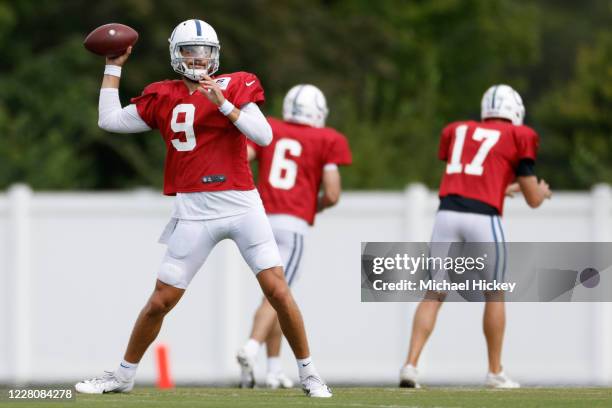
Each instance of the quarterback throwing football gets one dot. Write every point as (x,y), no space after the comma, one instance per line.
(302,158)
(482,161)
(203,121)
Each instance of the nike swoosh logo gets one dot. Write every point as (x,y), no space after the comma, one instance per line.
(249,83)
(304,365)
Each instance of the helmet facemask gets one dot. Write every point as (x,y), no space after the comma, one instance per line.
(194,60)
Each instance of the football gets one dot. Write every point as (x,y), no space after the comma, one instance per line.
(110,40)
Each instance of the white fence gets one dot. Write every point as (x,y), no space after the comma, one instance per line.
(75,269)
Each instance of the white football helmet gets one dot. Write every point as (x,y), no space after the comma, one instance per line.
(305,104)
(194,49)
(501,101)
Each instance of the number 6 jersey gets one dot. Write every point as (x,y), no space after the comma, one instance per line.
(205,151)
(291,167)
(482,158)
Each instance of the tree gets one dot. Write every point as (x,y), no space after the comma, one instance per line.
(578,119)
(394,72)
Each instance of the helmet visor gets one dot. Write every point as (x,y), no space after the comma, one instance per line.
(197,56)
(196,51)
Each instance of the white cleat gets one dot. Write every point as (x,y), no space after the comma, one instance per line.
(278,380)
(500,380)
(105,384)
(408,377)
(314,386)
(247,365)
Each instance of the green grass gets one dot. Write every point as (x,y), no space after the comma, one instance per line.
(343,397)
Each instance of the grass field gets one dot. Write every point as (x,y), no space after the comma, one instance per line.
(343,397)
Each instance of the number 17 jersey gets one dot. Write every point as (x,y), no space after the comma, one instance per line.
(482,158)
(291,167)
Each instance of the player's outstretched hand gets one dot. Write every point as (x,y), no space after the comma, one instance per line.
(512,189)
(545,189)
(209,88)
(120,60)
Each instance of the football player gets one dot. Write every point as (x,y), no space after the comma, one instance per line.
(482,160)
(203,121)
(302,159)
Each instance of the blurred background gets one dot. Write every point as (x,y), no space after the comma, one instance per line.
(78,251)
(394,73)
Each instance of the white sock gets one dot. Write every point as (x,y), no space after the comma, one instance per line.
(274,365)
(252,347)
(126,371)
(306,368)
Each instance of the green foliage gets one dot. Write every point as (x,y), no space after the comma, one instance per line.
(394,73)
(578,116)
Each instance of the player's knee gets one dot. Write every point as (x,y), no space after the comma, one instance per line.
(494,296)
(158,306)
(436,298)
(279,295)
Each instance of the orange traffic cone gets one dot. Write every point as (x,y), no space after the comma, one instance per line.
(164,380)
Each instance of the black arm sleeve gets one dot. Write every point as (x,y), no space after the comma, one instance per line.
(526,167)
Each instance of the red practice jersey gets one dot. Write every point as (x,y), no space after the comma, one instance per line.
(482,157)
(205,151)
(291,167)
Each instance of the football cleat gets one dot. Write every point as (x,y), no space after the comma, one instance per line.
(106,384)
(314,387)
(247,365)
(408,377)
(278,380)
(500,380)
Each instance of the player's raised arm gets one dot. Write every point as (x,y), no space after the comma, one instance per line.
(111,116)
(112,70)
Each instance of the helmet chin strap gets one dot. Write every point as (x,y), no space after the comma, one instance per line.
(197,77)
(185,77)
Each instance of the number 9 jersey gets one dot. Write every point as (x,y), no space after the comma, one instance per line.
(291,167)
(482,158)
(205,151)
